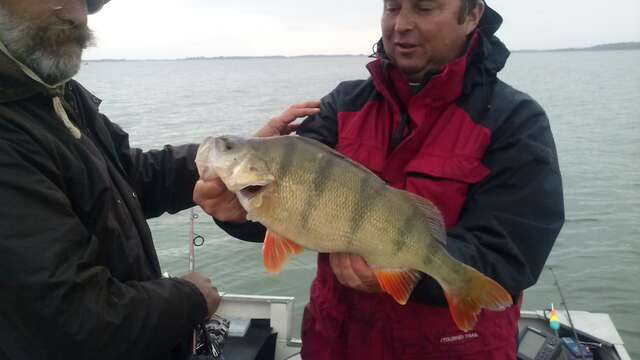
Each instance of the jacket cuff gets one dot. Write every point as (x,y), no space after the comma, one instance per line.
(197,304)
(248,231)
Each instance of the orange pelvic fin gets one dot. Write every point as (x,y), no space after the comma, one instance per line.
(480,293)
(398,283)
(277,250)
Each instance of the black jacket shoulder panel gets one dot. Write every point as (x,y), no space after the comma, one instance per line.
(353,95)
(490,103)
(348,96)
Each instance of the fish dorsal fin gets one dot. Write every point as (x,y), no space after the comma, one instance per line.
(277,250)
(432,214)
(398,283)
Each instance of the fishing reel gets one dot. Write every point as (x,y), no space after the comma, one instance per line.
(210,337)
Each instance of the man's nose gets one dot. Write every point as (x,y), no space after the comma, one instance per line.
(405,20)
(74,11)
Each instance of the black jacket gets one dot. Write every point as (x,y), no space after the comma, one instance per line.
(79,275)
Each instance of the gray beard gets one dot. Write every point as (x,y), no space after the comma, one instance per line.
(50,48)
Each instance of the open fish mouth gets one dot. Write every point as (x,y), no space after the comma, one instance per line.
(251,191)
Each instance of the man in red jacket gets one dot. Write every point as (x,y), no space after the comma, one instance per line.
(435,120)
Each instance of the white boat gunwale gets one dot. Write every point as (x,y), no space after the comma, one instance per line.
(280,311)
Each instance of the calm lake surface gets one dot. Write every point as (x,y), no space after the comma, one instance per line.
(593,101)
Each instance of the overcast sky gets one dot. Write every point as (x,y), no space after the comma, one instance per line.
(156,29)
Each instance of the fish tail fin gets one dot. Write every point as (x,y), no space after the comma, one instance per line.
(480,292)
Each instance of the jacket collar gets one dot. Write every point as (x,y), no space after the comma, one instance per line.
(442,88)
(32,84)
(17,81)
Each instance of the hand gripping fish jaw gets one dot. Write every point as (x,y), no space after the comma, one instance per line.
(242,170)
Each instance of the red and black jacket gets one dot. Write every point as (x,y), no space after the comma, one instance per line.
(485,156)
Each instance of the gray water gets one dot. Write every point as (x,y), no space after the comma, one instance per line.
(593,101)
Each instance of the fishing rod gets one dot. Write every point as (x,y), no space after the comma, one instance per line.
(195,240)
(566,308)
(192,264)
(215,326)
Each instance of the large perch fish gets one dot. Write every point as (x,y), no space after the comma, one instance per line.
(309,196)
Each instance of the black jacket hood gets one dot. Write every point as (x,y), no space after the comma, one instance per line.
(93,6)
(490,22)
(492,52)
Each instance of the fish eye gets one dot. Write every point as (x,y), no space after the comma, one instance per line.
(228,144)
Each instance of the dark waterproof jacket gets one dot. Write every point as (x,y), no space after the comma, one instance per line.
(483,153)
(79,275)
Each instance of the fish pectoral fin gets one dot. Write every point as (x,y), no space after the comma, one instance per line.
(277,250)
(398,283)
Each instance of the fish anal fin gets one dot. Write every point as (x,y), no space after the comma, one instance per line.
(398,283)
(277,250)
(480,292)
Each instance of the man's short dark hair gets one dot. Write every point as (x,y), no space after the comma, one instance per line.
(465,9)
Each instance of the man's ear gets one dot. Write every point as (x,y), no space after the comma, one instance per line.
(473,18)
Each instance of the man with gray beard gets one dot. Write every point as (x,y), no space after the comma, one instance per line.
(79,275)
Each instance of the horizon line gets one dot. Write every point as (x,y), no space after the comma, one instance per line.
(629,45)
